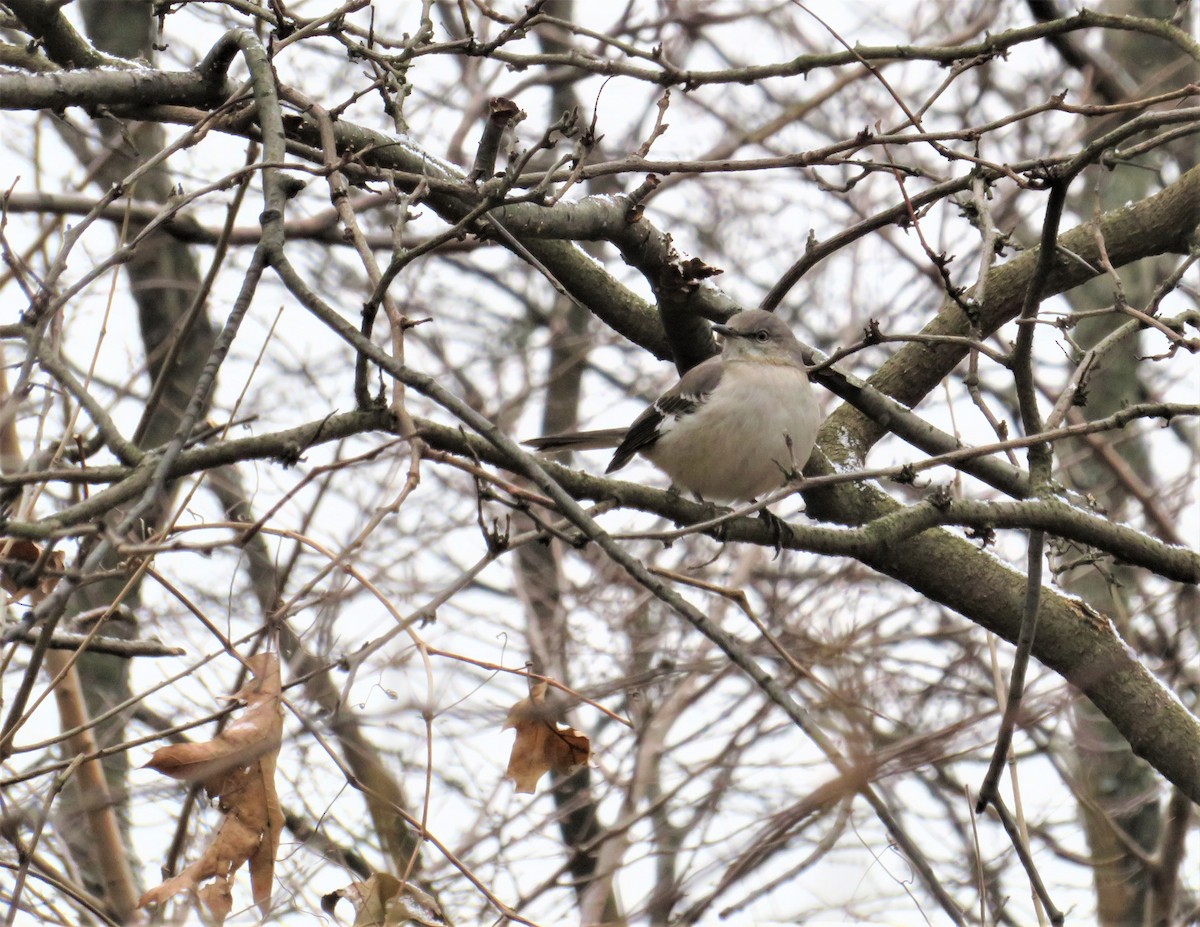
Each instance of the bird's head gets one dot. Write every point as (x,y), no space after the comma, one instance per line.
(760,336)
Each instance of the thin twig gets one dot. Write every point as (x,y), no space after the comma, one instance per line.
(1035,879)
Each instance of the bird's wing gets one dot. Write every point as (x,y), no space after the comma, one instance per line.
(684,398)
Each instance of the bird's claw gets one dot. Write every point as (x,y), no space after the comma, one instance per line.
(721,529)
(778,527)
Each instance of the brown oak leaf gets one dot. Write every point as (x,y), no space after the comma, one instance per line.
(385,901)
(17,552)
(255,733)
(238,769)
(541,745)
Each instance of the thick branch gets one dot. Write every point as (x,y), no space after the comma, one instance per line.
(141,86)
(1156,225)
(1075,642)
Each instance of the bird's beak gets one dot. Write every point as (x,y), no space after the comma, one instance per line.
(725,330)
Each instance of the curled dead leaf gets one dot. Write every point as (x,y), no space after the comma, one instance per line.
(255,733)
(17,553)
(238,769)
(541,745)
(385,901)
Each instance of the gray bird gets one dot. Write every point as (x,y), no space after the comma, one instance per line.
(733,428)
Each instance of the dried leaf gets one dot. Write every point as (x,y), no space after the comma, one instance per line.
(238,768)
(541,745)
(694,269)
(28,552)
(254,734)
(369,898)
(218,898)
(262,862)
(385,901)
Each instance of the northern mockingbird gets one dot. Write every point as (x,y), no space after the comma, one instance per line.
(734,427)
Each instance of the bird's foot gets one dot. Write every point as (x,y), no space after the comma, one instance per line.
(778,527)
(721,529)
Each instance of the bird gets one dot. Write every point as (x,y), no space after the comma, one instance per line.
(735,426)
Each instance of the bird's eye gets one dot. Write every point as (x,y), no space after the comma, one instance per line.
(762,336)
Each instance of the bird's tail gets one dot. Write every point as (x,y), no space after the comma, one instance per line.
(578,440)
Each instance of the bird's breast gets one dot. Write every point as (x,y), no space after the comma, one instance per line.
(735,447)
